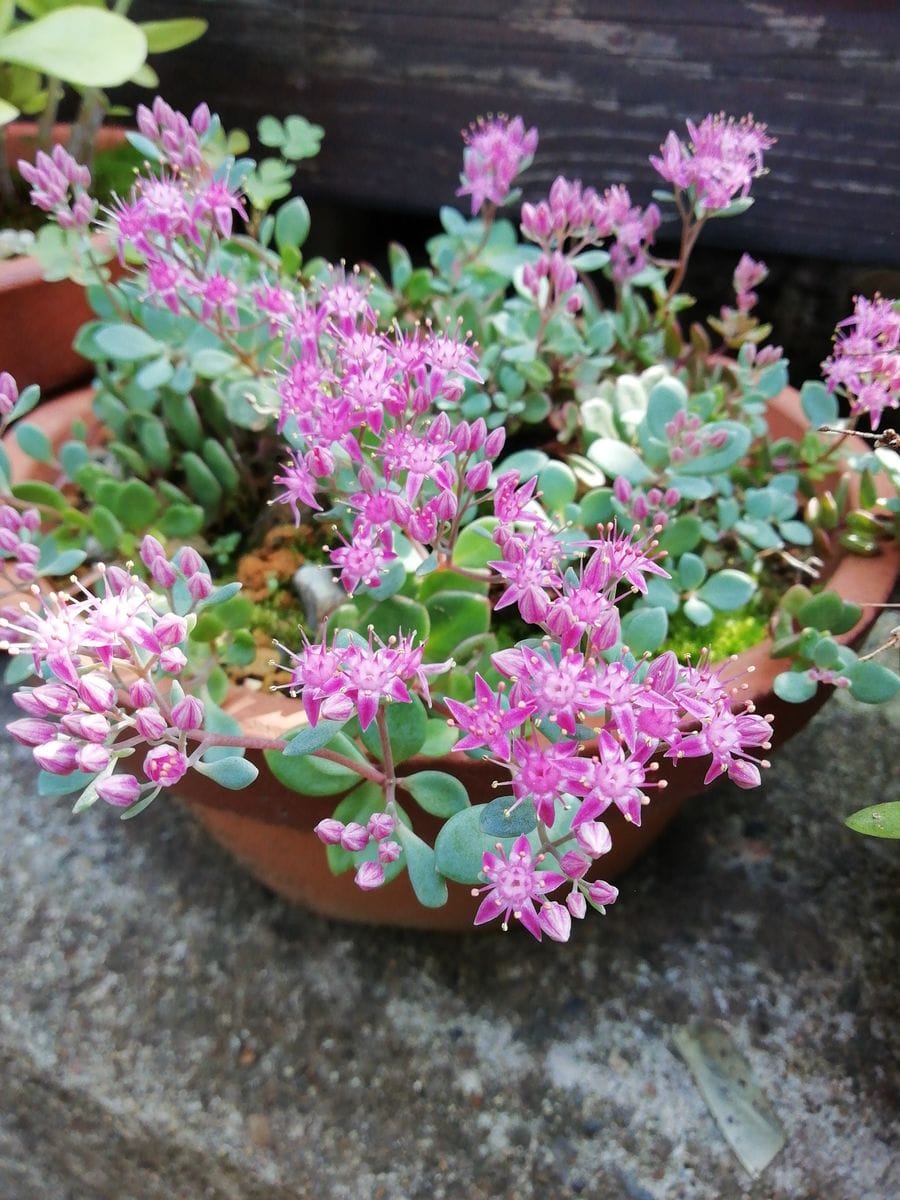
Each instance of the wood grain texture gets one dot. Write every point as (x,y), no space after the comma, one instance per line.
(394,82)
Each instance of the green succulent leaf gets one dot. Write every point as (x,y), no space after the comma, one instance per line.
(644,630)
(34,442)
(437,792)
(504,819)
(87,47)
(407,724)
(233,772)
(879,820)
(460,845)
(727,590)
(316,776)
(795,687)
(819,405)
(127,343)
(453,618)
(429,886)
(163,36)
(872,682)
(312,737)
(618,460)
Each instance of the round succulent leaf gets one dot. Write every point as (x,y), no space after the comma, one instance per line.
(691,571)
(796,532)
(232,772)
(727,590)
(392,580)
(453,618)
(407,724)
(399,614)
(879,820)
(697,611)
(312,776)
(127,343)
(794,687)
(461,844)
(106,527)
(681,535)
(429,886)
(137,506)
(661,594)
(312,737)
(557,485)
(37,492)
(34,442)
(644,630)
(596,507)
(505,819)
(440,738)
(527,462)
(823,612)
(872,682)
(618,459)
(451,581)
(474,547)
(820,406)
(437,793)
(722,459)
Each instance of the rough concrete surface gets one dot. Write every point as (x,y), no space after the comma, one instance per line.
(171,1031)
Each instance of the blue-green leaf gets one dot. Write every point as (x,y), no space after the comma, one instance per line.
(438,793)
(429,886)
(460,845)
(505,819)
(795,687)
(727,590)
(644,630)
(312,737)
(233,772)
(819,405)
(872,682)
(127,343)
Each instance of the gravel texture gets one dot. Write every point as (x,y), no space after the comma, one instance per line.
(171,1031)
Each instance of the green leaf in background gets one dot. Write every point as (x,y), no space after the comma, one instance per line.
(501,819)
(396,613)
(819,405)
(163,36)
(454,617)
(727,590)
(127,343)
(795,687)
(407,725)
(460,845)
(617,459)
(292,223)
(872,682)
(557,485)
(644,630)
(429,886)
(316,776)
(34,442)
(879,820)
(681,535)
(232,772)
(137,506)
(312,737)
(437,792)
(87,47)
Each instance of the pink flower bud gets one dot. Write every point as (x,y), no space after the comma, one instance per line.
(200,119)
(555,920)
(58,757)
(369,876)
(97,692)
(574,864)
(91,727)
(25,572)
(338,707)
(141,693)
(150,723)
(478,477)
(189,561)
(745,774)
(576,904)
(188,713)
(172,660)
(9,541)
(354,837)
(92,758)
(165,765)
(602,893)
(380,825)
(54,698)
(9,393)
(199,586)
(622,489)
(151,550)
(329,831)
(170,630)
(31,519)
(120,790)
(494,443)
(388,852)
(163,572)
(10,519)
(31,731)
(594,839)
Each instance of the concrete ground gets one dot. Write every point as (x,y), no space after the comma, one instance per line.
(171,1031)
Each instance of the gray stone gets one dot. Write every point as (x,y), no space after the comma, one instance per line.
(171,1031)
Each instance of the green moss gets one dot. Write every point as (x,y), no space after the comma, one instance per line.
(726,634)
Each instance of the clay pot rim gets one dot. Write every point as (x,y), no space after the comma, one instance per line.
(865,581)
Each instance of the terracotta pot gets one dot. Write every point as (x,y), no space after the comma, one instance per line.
(269,828)
(39,320)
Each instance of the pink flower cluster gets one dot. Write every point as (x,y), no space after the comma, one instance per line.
(354,837)
(113,660)
(650,509)
(176,138)
(720,161)
(687,439)
(18,551)
(865,362)
(574,217)
(748,274)
(497,150)
(340,680)
(59,185)
(371,398)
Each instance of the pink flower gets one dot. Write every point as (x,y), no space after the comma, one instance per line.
(9,393)
(720,162)
(370,875)
(119,790)
(496,152)
(485,721)
(555,920)
(544,774)
(165,765)
(514,884)
(602,893)
(865,363)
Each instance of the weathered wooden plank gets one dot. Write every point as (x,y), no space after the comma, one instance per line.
(393,82)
